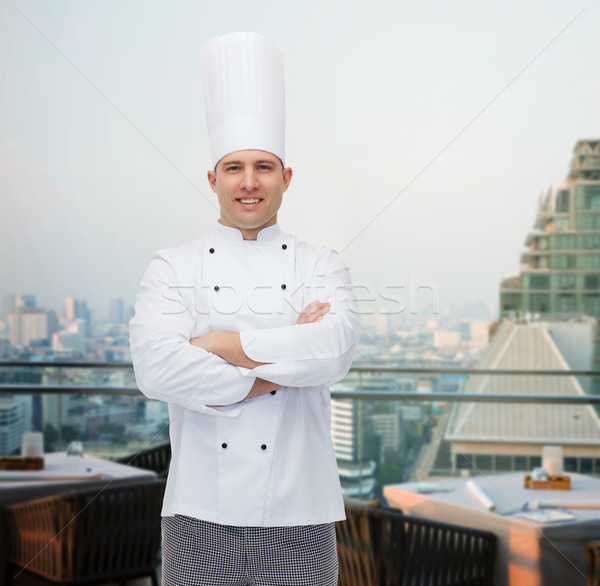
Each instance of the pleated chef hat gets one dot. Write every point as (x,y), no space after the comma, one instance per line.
(244,95)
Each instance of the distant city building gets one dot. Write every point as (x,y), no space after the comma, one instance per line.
(103,413)
(464,328)
(480,331)
(443,339)
(9,302)
(68,409)
(560,271)
(26,301)
(424,386)
(15,420)
(116,312)
(357,472)
(72,308)
(77,309)
(72,339)
(384,326)
(387,425)
(29,326)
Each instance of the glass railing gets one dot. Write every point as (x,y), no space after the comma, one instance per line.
(389,425)
(97,404)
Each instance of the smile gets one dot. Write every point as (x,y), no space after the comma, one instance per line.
(249,200)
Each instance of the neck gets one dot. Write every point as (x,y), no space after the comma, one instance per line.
(248,233)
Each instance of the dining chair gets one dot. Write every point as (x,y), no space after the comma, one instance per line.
(357,543)
(592,562)
(156,458)
(380,546)
(87,536)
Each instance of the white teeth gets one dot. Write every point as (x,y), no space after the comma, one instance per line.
(250,200)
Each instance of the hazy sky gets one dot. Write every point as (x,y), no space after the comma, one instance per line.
(454,115)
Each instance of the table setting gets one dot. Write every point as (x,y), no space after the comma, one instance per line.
(542,531)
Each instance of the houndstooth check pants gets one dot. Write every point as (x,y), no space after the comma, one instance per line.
(200,553)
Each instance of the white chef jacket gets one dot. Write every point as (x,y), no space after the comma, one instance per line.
(269,460)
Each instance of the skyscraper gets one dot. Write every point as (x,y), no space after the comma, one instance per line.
(15,420)
(72,308)
(77,309)
(31,325)
(560,270)
(356,469)
(116,312)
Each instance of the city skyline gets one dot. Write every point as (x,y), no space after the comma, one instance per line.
(420,138)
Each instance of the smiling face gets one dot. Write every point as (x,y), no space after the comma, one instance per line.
(250,186)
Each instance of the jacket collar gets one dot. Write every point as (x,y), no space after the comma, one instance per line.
(234,235)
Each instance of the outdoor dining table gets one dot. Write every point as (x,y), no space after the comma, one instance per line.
(541,533)
(60,474)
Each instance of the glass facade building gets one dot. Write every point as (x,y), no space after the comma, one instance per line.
(560,270)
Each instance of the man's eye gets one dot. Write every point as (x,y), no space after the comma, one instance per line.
(264,167)
(232,168)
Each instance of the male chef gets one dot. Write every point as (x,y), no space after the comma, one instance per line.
(241,332)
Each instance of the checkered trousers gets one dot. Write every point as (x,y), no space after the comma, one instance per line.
(200,553)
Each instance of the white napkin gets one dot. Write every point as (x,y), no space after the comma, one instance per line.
(480,495)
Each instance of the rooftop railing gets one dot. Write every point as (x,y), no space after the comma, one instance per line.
(389,424)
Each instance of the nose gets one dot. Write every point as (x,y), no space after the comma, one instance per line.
(249,180)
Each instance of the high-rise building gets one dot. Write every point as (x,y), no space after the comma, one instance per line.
(560,270)
(15,420)
(77,309)
(72,308)
(71,339)
(356,469)
(31,325)
(388,426)
(116,312)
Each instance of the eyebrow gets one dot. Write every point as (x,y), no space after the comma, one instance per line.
(259,162)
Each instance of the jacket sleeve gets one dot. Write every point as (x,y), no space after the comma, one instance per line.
(167,367)
(317,353)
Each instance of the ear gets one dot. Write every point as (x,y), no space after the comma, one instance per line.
(287,177)
(212,180)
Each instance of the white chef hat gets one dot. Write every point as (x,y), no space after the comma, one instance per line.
(244,95)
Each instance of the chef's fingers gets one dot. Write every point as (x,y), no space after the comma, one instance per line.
(317,316)
(315,307)
(313,312)
(322,310)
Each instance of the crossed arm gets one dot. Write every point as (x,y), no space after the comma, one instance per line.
(227,345)
(213,373)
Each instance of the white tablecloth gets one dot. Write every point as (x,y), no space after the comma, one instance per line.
(531,551)
(62,471)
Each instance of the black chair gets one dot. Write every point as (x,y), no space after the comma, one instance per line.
(383,547)
(87,536)
(156,458)
(592,561)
